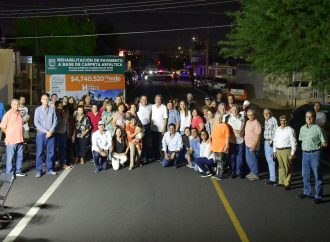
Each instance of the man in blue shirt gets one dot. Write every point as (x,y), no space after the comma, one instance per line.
(194,150)
(45,120)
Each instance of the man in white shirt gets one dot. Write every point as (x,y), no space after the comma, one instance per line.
(284,148)
(321,118)
(236,142)
(101,143)
(158,126)
(144,114)
(172,144)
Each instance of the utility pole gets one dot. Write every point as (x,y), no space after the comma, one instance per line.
(35,22)
(207,51)
(207,58)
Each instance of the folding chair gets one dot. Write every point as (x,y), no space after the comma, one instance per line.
(6,183)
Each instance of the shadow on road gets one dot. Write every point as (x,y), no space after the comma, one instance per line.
(22,239)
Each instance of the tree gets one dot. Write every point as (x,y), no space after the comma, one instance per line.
(56,26)
(283,37)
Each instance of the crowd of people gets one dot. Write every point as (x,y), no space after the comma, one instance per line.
(216,140)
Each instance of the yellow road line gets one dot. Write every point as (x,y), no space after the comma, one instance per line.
(239,229)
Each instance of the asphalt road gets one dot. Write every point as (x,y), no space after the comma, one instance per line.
(152,203)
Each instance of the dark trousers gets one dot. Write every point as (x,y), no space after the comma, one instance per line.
(157,145)
(81,147)
(100,161)
(69,151)
(60,147)
(145,148)
(205,164)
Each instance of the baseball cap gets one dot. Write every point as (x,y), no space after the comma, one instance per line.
(207,98)
(246,103)
(100,123)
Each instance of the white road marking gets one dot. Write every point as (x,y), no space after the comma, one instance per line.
(36,207)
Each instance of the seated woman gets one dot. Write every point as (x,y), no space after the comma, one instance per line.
(185,146)
(119,149)
(134,136)
(205,161)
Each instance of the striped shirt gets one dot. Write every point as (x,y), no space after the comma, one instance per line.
(270,127)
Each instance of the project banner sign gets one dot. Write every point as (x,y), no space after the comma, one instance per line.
(98,76)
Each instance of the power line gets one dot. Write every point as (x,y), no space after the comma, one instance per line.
(85,6)
(119,33)
(191,12)
(116,12)
(150,4)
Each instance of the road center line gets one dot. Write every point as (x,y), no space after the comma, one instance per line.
(36,207)
(239,229)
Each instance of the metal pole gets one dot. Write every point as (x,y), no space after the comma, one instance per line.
(30,77)
(206,58)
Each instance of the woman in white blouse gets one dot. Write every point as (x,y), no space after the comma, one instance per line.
(205,162)
(185,116)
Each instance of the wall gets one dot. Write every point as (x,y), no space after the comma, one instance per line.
(7,67)
(253,81)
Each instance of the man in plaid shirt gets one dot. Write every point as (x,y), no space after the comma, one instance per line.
(270,127)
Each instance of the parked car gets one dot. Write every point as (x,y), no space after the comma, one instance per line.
(216,84)
(201,82)
(298,116)
(131,78)
(182,74)
(160,75)
(239,91)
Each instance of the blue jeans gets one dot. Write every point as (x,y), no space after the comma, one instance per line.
(49,144)
(270,161)
(252,160)
(100,161)
(236,158)
(14,165)
(205,164)
(60,144)
(312,160)
(166,163)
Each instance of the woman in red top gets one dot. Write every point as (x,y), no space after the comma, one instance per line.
(134,140)
(197,121)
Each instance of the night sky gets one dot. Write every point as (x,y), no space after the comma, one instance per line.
(187,16)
